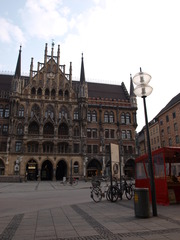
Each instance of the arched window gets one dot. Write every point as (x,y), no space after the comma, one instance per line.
(76,131)
(63,130)
(35,110)
(49,111)
(128,118)
(33,91)
(33,128)
(21,111)
(123,118)
(6,113)
(66,94)
(76,114)
(47,92)
(48,129)
(53,93)
(76,167)
(89,116)
(60,93)
(1,111)
(111,117)
(106,117)
(39,92)
(94,116)
(20,129)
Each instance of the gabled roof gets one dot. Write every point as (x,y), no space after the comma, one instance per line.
(173,101)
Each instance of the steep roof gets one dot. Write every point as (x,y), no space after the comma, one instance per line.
(99,90)
(18,66)
(82,76)
(132,94)
(5,82)
(173,101)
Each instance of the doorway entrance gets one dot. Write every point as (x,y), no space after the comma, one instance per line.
(61,170)
(31,170)
(94,168)
(47,171)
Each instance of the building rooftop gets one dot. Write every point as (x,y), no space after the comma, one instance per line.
(95,90)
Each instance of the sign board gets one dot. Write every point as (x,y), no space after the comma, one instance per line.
(115,164)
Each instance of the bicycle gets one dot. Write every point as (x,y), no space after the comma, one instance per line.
(71,181)
(127,189)
(98,192)
(123,188)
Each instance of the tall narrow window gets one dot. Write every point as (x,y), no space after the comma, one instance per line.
(128,118)
(76,167)
(76,114)
(123,134)
(94,116)
(89,116)
(94,133)
(21,111)
(6,114)
(88,132)
(123,118)
(106,133)
(1,111)
(106,117)
(18,146)
(111,117)
(128,134)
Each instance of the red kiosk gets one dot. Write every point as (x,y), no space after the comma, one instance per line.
(166,165)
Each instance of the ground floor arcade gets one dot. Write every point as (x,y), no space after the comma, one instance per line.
(49,169)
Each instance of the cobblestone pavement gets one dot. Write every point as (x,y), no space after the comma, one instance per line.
(91,221)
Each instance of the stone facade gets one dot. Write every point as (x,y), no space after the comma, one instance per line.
(53,127)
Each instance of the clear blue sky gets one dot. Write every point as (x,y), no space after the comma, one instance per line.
(117,37)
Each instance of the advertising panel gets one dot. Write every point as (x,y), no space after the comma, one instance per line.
(115,165)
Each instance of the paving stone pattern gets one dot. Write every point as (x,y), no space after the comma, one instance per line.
(88,221)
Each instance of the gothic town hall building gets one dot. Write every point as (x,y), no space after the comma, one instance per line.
(53,127)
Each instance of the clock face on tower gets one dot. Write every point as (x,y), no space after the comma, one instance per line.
(50,75)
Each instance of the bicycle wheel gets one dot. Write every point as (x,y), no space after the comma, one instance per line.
(129,192)
(96,194)
(112,194)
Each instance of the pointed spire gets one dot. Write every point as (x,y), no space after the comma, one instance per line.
(131,87)
(82,77)
(18,66)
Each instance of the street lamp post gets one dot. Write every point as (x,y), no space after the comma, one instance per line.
(143,90)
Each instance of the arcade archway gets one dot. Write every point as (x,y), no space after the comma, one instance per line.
(94,168)
(129,168)
(2,167)
(61,170)
(31,170)
(47,171)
